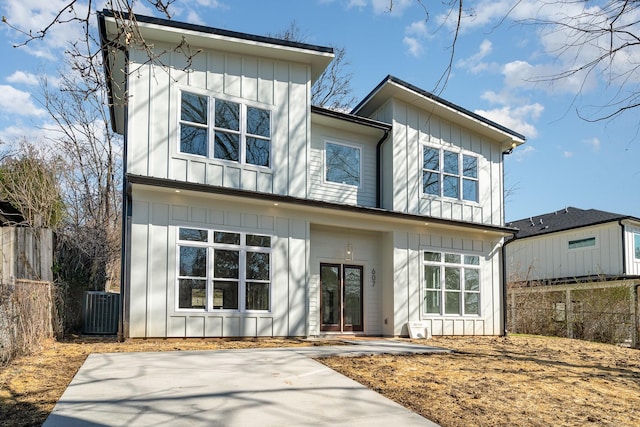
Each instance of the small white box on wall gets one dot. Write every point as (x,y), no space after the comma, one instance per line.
(419,329)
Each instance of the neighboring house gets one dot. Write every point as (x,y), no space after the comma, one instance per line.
(575,264)
(250,212)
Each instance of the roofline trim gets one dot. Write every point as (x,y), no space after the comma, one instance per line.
(350,118)
(437,99)
(218,31)
(212,189)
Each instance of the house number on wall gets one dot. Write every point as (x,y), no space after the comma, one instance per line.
(373,277)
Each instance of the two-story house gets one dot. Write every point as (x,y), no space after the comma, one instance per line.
(575,272)
(249,212)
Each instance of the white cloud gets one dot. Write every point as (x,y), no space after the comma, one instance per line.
(356,3)
(567,154)
(417,28)
(21,77)
(413,45)
(474,63)
(520,118)
(522,153)
(594,143)
(15,101)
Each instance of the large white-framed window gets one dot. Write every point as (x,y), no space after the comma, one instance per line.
(447,173)
(343,163)
(223,270)
(224,129)
(451,283)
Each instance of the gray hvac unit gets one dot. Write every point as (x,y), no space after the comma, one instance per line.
(100,313)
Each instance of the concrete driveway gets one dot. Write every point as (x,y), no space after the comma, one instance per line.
(258,387)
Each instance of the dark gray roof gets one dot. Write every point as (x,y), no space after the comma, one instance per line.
(562,220)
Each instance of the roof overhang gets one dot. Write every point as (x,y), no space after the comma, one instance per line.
(116,42)
(350,122)
(394,88)
(359,213)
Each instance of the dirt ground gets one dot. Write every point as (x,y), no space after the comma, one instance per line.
(485,381)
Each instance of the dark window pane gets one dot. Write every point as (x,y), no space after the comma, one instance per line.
(470,190)
(431,277)
(472,259)
(193,261)
(228,238)
(226,264)
(471,279)
(342,164)
(432,256)
(452,303)
(258,122)
(257,296)
(471,305)
(450,186)
(227,115)
(226,146)
(193,140)
(193,235)
(257,266)
(258,240)
(452,278)
(431,183)
(258,151)
(636,243)
(194,108)
(432,302)
(469,166)
(451,163)
(431,159)
(225,295)
(453,258)
(192,293)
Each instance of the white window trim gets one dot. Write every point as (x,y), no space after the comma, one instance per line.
(324,163)
(636,235)
(442,291)
(441,173)
(242,282)
(211,98)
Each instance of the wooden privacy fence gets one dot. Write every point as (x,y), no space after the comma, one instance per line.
(26,317)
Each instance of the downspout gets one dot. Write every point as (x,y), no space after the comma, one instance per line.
(127,210)
(624,249)
(379,168)
(503,251)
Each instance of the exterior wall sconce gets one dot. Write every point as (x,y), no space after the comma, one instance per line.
(349,254)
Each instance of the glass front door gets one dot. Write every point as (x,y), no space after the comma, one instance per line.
(341,297)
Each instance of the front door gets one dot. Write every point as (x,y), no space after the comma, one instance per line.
(341,297)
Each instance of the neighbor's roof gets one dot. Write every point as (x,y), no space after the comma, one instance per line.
(392,86)
(565,219)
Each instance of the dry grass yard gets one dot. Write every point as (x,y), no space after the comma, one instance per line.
(486,381)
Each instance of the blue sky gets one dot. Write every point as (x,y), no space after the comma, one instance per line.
(565,162)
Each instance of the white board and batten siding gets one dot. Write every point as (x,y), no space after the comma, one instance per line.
(321,189)
(402,172)
(631,230)
(154,109)
(153,305)
(549,256)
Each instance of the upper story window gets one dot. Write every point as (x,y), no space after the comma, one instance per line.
(223,129)
(582,243)
(449,174)
(636,245)
(342,164)
(451,283)
(220,270)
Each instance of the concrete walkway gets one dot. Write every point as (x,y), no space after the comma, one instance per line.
(257,387)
